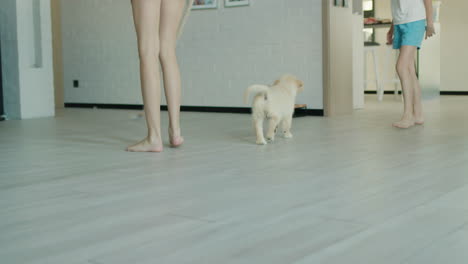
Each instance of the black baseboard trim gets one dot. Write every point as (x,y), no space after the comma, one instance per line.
(212,109)
(104,106)
(308,112)
(441,92)
(205,109)
(385,92)
(453,93)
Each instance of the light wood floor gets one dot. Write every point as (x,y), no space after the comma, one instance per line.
(348,190)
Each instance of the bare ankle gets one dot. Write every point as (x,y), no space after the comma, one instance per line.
(407,117)
(174,132)
(153,139)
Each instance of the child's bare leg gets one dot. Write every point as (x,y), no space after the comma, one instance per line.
(406,70)
(146,18)
(417,104)
(171,15)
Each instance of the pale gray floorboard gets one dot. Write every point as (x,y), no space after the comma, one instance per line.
(455,199)
(292,235)
(395,240)
(450,249)
(345,190)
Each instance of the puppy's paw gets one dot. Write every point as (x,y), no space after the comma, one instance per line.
(288,135)
(261,142)
(270,138)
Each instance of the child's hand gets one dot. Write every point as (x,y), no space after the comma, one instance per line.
(430,30)
(390,37)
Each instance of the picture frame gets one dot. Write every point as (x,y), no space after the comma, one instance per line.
(204,4)
(346,3)
(233,3)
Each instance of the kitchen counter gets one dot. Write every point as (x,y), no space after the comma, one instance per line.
(379,25)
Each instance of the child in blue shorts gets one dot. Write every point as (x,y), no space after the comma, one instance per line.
(411,19)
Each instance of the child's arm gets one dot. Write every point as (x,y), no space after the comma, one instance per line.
(390,35)
(430,31)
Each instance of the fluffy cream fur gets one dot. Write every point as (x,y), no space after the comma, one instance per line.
(275,103)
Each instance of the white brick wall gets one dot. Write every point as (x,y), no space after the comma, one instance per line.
(220,53)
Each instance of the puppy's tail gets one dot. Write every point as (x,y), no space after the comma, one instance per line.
(255,89)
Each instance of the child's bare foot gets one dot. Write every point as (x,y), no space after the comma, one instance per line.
(175,139)
(419,121)
(404,123)
(146,145)
(418,115)
(176,142)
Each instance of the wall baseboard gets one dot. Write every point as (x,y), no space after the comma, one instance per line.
(105,106)
(453,92)
(441,92)
(385,92)
(206,109)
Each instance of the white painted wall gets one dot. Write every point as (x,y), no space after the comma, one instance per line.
(10,70)
(358,59)
(36,82)
(57,52)
(221,51)
(454,57)
(339,61)
(28,87)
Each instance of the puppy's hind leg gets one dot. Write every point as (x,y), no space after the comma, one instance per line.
(274,120)
(286,126)
(258,125)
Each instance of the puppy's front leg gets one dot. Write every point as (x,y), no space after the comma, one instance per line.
(258,124)
(274,120)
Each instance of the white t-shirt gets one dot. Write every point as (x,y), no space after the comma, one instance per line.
(406,11)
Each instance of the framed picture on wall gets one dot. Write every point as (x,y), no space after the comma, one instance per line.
(205,4)
(345,3)
(230,3)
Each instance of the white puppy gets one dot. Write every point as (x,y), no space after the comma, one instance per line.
(275,103)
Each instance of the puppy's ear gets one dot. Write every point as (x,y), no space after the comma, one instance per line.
(276,82)
(300,86)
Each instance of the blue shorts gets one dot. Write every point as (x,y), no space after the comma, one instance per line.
(409,34)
